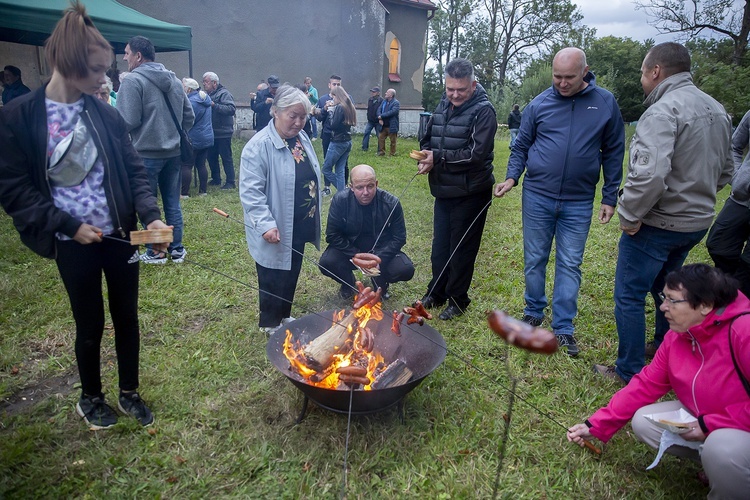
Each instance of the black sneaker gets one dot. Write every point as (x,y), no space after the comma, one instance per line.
(130,403)
(531,320)
(450,312)
(98,414)
(569,342)
(215,183)
(430,302)
(229,186)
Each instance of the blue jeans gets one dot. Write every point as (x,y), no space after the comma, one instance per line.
(513,135)
(568,222)
(314,124)
(164,174)
(368,129)
(337,155)
(643,262)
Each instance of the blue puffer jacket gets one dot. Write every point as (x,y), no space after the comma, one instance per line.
(563,143)
(202,133)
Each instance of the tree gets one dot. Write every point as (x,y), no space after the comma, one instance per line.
(432,90)
(727,18)
(446,29)
(507,32)
(728,85)
(616,62)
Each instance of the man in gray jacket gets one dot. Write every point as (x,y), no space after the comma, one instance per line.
(728,241)
(679,158)
(142,102)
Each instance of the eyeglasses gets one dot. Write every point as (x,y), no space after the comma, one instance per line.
(666,299)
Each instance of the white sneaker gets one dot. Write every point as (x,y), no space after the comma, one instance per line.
(269,330)
(288,320)
(178,257)
(154,258)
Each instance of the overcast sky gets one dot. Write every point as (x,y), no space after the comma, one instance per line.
(618,18)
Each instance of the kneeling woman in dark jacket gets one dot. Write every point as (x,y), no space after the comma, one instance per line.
(73,184)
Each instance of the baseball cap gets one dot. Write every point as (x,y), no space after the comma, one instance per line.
(273,81)
(375,89)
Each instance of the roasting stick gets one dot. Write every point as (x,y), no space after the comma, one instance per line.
(346,446)
(389,215)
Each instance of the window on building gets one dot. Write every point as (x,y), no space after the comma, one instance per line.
(394,61)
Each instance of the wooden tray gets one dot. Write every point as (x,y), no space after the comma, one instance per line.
(151,236)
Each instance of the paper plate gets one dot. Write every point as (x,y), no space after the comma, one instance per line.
(678,421)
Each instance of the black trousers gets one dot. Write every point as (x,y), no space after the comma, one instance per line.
(336,265)
(81,268)
(222,147)
(728,242)
(276,289)
(453,231)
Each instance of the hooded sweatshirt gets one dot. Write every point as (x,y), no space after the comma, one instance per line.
(141,102)
(697,366)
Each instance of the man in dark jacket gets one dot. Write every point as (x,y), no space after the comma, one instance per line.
(373,105)
(263,101)
(388,119)
(365,219)
(514,123)
(222,121)
(570,134)
(459,146)
(144,102)
(13,86)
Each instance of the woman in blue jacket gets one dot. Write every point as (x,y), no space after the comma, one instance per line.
(201,135)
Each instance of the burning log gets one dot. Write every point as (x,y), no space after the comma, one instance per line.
(397,373)
(319,352)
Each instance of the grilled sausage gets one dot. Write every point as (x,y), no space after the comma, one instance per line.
(354,370)
(366,260)
(375,297)
(415,319)
(522,334)
(353,379)
(396,324)
(363,298)
(421,311)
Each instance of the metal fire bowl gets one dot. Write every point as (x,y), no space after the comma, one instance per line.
(421,347)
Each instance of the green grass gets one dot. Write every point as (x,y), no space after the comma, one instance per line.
(225,417)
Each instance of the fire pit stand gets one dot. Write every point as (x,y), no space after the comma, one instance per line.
(306,400)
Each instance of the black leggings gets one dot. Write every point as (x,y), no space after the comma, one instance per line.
(81,269)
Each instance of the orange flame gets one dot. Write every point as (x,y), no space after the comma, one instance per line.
(294,352)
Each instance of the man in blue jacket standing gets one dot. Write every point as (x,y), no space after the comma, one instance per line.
(388,119)
(569,134)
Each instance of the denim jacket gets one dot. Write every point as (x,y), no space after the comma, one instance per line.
(267,195)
